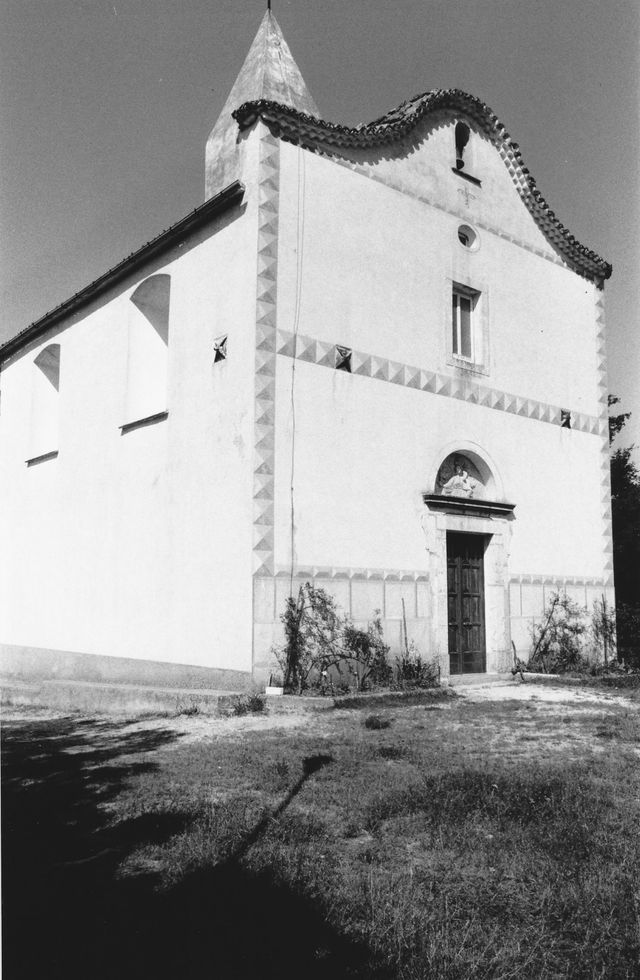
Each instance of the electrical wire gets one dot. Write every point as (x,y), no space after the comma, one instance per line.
(296,324)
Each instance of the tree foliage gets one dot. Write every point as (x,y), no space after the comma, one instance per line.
(616,422)
(625,506)
(625,517)
(625,513)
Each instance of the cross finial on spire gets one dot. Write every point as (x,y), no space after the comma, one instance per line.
(268,4)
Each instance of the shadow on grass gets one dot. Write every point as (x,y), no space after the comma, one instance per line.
(67,910)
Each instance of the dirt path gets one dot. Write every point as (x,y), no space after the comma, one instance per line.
(547,692)
(195,728)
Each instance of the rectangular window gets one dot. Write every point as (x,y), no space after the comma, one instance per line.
(465,319)
(461,325)
(462,317)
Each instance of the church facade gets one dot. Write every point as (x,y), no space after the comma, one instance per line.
(373,359)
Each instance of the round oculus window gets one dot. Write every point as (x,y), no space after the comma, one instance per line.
(468,238)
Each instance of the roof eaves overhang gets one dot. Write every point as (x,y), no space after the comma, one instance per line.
(227,198)
(328,138)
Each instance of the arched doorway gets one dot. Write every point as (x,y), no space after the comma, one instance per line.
(467,524)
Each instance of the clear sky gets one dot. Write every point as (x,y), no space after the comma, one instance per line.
(106,106)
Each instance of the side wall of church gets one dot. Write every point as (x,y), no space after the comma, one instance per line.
(135,542)
(371,267)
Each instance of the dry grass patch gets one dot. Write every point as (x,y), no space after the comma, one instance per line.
(491,839)
(487,839)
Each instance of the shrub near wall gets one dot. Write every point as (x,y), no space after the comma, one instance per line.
(325,651)
(569,640)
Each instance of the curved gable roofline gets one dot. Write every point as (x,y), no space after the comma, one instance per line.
(312,133)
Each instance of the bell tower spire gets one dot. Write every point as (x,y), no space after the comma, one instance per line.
(269,72)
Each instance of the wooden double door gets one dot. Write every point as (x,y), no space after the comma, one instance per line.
(465,595)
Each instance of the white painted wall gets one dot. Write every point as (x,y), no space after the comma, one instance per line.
(44,409)
(366,264)
(139,544)
(376,270)
(364,450)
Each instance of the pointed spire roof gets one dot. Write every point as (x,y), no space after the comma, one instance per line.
(269,72)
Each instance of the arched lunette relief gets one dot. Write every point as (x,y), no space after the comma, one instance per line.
(464,473)
(482,481)
(458,476)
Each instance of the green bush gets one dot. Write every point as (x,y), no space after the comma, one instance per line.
(557,642)
(628,625)
(412,671)
(603,630)
(249,704)
(324,650)
(367,654)
(313,642)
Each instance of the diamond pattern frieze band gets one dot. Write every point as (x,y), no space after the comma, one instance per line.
(265,357)
(368,365)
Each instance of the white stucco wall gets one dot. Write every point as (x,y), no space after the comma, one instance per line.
(139,544)
(363,453)
(377,264)
(144,544)
(367,258)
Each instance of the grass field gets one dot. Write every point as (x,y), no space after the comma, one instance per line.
(467,837)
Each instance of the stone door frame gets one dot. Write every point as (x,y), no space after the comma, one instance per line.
(497,529)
